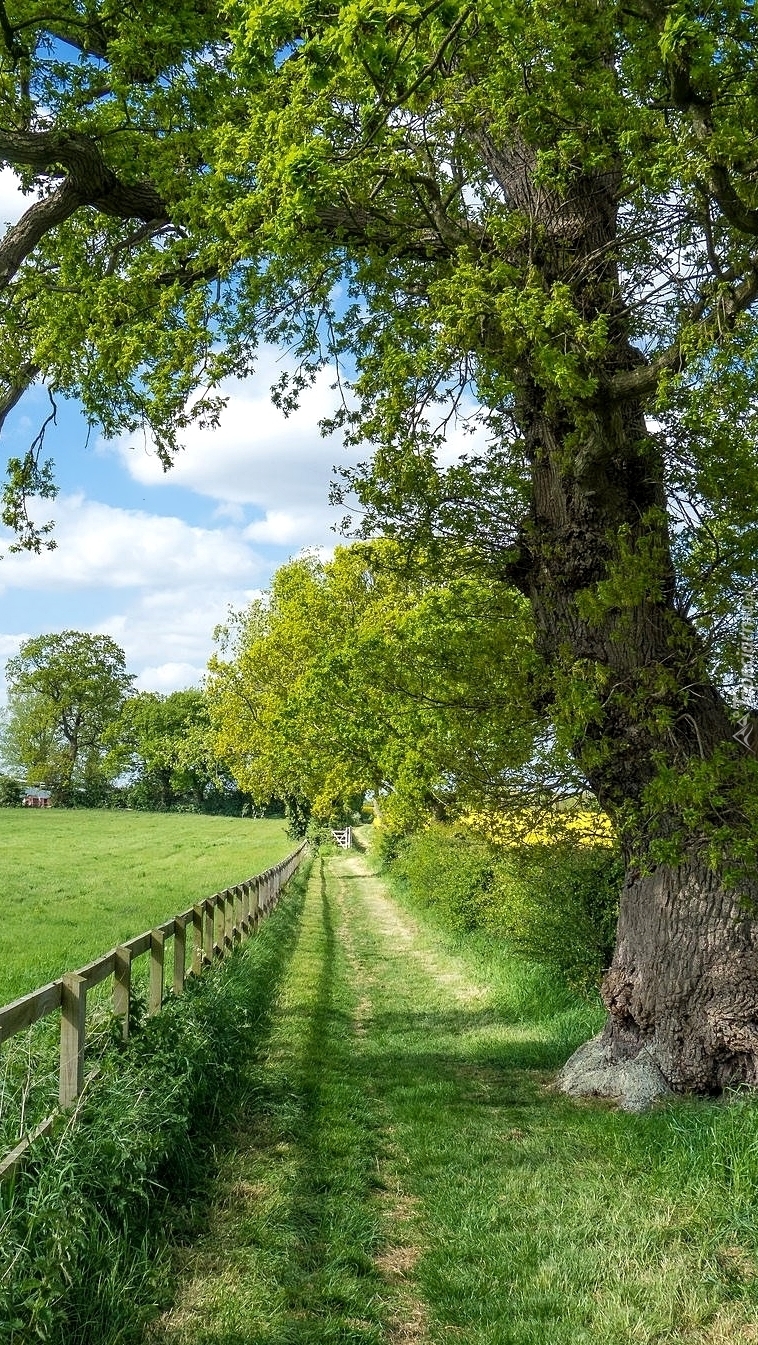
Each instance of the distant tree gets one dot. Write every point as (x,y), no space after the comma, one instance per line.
(161,742)
(11,792)
(356,676)
(63,692)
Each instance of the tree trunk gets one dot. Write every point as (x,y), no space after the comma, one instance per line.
(632,693)
(628,675)
(629,678)
(684,979)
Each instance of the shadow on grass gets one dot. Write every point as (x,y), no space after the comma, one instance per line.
(441,1073)
(324,1111)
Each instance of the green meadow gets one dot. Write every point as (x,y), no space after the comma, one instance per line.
(74,883)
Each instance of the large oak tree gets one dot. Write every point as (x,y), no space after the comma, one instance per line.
(549,211)
(64,691)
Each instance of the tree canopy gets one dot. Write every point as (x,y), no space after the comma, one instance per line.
(208,175)
(64,690)
(161,743)
(358,675)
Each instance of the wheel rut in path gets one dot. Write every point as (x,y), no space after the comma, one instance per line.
(319,1146)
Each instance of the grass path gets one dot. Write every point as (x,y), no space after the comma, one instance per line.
(402,1173)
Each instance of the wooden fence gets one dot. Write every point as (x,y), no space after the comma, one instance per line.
(216,925)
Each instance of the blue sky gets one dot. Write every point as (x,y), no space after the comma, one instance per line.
(154,559)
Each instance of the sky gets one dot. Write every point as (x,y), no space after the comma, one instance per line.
(156,559)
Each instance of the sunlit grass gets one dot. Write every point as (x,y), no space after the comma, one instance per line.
(405,1171)
(75,883)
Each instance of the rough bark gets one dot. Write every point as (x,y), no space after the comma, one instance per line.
(683,983)
(682,991)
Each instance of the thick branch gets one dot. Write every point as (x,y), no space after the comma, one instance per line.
(87,172)
(38,220)
(356,224)
(12,396)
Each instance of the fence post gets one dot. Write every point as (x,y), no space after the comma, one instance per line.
(73,1028)
(122,988)
(155,996)
(220,925)
(208,930)
(227,906)
(180,954)
(197,939)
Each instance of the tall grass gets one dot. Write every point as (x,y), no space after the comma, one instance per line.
(84,1229)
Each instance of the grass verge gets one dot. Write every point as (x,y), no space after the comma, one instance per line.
(84,1230)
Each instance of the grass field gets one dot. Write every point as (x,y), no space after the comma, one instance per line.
(76,883)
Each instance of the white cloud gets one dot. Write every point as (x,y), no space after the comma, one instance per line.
(168,584)
(12,201)
(172,626)
(281,466)
(282,527)
(258,458)
(10,645)
(170,677)
(100,546)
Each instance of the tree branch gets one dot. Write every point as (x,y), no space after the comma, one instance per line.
(87,172)
(12,396)
(38,220)
(643,380)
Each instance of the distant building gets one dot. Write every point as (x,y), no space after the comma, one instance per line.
(36,798)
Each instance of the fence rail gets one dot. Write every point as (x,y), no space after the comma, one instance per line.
(217,924)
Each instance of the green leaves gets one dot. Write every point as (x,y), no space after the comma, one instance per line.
(359,676)
(64,690)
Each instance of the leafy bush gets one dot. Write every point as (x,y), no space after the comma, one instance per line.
(452,871)
(11,792)
(555,903)
(558,904)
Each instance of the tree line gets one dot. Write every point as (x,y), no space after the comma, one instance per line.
(75,725)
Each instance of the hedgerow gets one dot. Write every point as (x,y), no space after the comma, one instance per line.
(555,902)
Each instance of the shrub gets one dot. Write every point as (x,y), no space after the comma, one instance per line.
(556,903)
(452,871)
(11,792)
